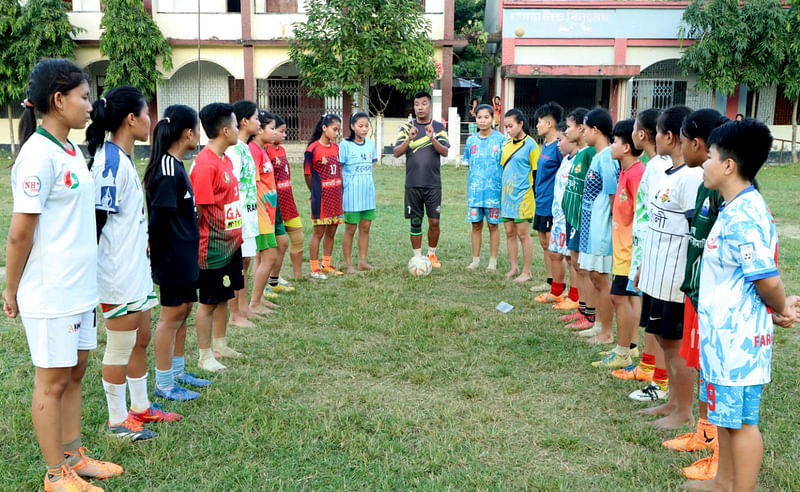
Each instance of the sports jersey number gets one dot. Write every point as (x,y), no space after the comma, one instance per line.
(333,168)
(711,394)
(409,209)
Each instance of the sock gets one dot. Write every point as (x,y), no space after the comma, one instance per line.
(476,260)
(648,362)
(219,342)
(431,251)
(589,313)
(206,354)
(326,261)
(164,379)
(623,351)
(178,365)
(138,390)
(573,294)
(557,288)
(549,280)
(115,397)
(582,307)
(633,346)
(492,263)
(273,281)
(54,472)
(418,252)
(660,378)
(73,447)
(314,265)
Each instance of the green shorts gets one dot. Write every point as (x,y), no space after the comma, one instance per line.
(280,229)
(356,217)
(517,221)
(266,241)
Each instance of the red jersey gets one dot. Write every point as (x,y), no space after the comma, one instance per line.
(266,195)
(322,163)
(283,180)
(217,189)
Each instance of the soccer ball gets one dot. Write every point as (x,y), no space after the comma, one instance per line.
(419,266)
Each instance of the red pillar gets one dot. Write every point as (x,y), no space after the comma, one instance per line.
(247,38)
(447,56)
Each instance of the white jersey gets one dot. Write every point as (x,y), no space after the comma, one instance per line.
(653,171)
(244,168)
(123,265)
(664,250)
(60,276)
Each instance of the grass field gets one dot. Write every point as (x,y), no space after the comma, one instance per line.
(383,381)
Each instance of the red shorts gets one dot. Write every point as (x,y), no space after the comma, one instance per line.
(690,349)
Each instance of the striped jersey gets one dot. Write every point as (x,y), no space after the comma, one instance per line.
(654,169)
(217,190)
(266,192)
(358,187)
(572,203)
(283,180)
(422,160)
(664,251)
(519,160)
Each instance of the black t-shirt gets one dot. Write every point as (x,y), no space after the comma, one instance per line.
(173,229)
(422,160)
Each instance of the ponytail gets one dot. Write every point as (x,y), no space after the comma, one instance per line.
(110,111)
(48,77)
(353,119)
(168,130)
(326,120)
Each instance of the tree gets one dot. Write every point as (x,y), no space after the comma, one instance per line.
(133,44)
(346,44)
(468,24)
(790,77)
(716,55)
(34,31)
(764,22)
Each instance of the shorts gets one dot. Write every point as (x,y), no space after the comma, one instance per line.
(266,241)
(328,221)
(219,284)
(690,346)
(356,217)
(54,342)
(595,263)
(516,221)
(477,214)
(573,238)
(111,311)
(542,223)
(731,406)
(662,318)
(558,238)
(280,229)
(619,286)
(423,201)
(175,295)
(295,223)
(248,249)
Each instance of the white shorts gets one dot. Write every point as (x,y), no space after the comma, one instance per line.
(249,247)
(54,342)
(558,237)
(595,263)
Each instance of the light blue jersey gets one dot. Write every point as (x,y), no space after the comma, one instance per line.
(734,325)
(600,183)
(358,187)
(485,181)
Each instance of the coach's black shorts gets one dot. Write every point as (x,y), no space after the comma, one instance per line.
(219,284)
(175,295)
(423,201)
(542,223)
(662,318)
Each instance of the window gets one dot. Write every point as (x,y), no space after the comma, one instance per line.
(234,6)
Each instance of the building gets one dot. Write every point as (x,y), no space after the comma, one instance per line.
(620,55)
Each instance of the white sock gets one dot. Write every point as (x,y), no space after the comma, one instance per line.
(218,343)
(115,397)
(138,389)
(492,263)
(476,260)
(418,252)
(623,351)
(206,354)
(431,251)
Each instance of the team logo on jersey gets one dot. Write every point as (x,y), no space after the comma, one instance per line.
(473,149)
(473,212)
(577,168)
(623,195)
(74,327)
(712,242)
(32,185)
(324,161)
(495,149)
(705,207)
(71,180)
(226,281)
(664,197)
(748,252)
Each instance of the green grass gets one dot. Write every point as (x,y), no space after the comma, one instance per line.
(383,381)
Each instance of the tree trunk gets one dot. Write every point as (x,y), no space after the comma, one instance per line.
(753,109)
(794,129)
(11,130)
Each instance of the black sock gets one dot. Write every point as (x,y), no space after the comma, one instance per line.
(549,280)
(582,307)
(633,346)
(273,281)
(589,313)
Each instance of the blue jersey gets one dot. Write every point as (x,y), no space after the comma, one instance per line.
(519,159)
(549,162)
(734,325)
(485,181)
(358,187)
(600,183)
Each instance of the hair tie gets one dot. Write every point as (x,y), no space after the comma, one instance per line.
(27,104)
(166,118)
(105,102)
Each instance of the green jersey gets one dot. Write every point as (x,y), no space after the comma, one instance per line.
(706,210)
(572,203)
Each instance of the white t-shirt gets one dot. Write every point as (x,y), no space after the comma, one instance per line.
(244,168)
(123,265)
(60,276)
(664,252)
(653,171)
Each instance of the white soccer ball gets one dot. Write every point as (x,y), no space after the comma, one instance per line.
(419,266)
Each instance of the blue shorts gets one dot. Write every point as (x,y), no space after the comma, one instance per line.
(477,214)
(573,238)
(731,406)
